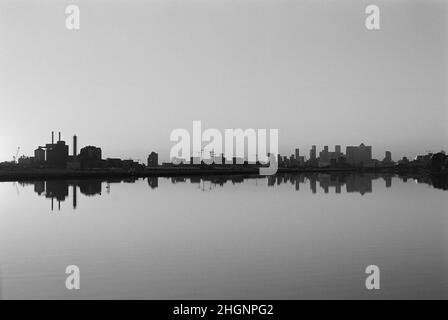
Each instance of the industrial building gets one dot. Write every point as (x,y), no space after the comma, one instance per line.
(90,157)
(39,155)
(57,153)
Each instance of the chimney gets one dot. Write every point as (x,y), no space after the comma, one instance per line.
(75,145)
(59,136)
(52,137)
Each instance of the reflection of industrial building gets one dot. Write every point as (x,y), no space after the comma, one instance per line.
(90,187)
(56,189)
(59,189)
(39,187)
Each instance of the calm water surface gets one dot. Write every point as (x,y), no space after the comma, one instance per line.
(285,237)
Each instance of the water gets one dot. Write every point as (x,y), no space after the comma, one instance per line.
(224,238)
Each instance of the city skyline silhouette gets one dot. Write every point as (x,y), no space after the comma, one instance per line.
(128,78)
(254,151)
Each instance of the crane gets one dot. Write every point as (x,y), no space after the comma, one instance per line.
(15,158)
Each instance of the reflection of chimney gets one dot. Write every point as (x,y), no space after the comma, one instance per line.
(75,203)
(59,136)
(52,137)
(75,146)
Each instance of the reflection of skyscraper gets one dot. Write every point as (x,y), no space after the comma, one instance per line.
(359,183)
(313,183)
(388,180)
(271,180)
(153,182)
(324,180)
(338,187)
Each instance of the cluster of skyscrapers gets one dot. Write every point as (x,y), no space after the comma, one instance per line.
(358,156)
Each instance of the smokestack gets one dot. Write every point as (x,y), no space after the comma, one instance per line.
(59,136)
(75,145)
(52,137)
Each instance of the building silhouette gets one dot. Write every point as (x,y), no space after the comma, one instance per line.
(90,157)
(39,155)
(153,159)
(57,153)
(388,158)
(327,158)
(359,156)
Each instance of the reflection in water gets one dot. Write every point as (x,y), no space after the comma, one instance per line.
(59,189)
(352,183)
(288,236)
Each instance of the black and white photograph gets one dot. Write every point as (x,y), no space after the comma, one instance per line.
(223,150)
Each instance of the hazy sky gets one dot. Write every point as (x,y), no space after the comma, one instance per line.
(139,69)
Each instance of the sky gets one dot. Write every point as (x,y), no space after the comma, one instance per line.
(136,70)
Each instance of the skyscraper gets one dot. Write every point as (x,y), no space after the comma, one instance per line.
(337,150)
(313,153)
(361,155)
(388,157)
(153,159)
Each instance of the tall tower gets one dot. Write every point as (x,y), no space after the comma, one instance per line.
(75,145)
(313,153)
